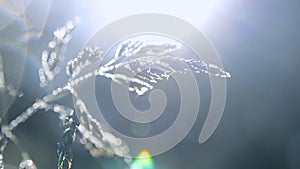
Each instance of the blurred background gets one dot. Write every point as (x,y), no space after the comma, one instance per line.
(257,41)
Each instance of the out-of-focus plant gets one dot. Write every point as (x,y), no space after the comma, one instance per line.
(150,63)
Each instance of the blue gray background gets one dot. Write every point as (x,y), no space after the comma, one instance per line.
(258,42)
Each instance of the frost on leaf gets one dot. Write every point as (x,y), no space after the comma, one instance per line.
(86,57)
(152,63)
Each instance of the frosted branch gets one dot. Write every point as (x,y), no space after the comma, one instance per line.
(64,151)
(85,58)
(150,63)
(26,162)
(93,136)
(3,143)
(52,57)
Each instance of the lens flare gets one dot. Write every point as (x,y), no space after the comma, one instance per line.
(143,161)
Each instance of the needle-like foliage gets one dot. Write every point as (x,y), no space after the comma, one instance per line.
(150,64)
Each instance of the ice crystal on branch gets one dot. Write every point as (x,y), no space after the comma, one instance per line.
(64,150)
(152,63)
(86,57)
(3,143)
(52,57)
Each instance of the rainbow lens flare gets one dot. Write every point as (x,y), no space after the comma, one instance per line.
(143,161)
